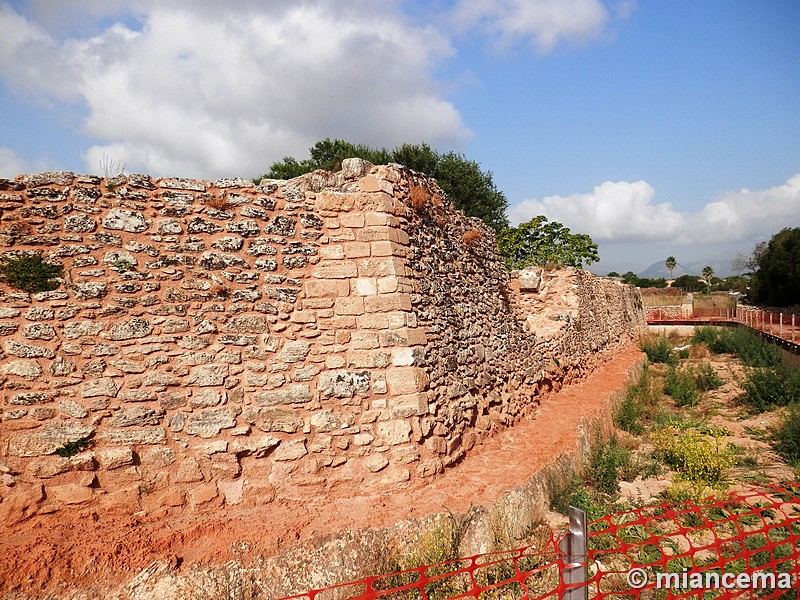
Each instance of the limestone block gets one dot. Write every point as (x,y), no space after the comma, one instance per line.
(387,302)
(326,288)
(49,466)
(394,432)
(30,398)
(135,437)
(298,393)
(208,375)
(406,380)
(105,386)
(327,420)
(409,405)
(114,458)
(247,324)
(349,306)
(131,329)
(70,493)
(341,383)
(39,331)
(48,438)
(156,457)
(88,290)
(74,409)
(232,491)
(39,313)
(290,450)
(294,351)
(257,446)
(137,416)
(375,462)
(335,269)
(27,369)
(25,350)
(76,329)
(125,220)
(209,423)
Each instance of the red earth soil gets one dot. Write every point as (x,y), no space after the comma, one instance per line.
(81,547)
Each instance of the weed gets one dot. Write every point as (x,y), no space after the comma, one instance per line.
(752,349)
(769,387)
(607,462)
(785,435)
(30,273)
(705,378)
(218,202)
(638,404)
(419,197)
(700,457)
(122,265)
(72,448)
(658,349)
(680,385)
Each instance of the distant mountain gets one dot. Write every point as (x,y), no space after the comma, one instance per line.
(722,268)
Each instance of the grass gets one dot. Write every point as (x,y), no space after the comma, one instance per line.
(658,349)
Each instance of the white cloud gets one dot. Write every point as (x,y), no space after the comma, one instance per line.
(197,90)
(541,23)
(625,212)
(11,165)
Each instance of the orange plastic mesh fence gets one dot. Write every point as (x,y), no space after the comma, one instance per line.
(745,546)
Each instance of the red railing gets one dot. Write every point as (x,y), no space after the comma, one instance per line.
(779,324)
(677,551)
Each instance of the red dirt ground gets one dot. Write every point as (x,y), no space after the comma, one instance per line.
(77,549)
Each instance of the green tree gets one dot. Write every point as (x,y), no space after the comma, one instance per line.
(689,283)
(546,244)
(776,280)
(670,263)
(471,189)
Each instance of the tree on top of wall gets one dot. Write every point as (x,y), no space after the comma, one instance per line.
(470,188)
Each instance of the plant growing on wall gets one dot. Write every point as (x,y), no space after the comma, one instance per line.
(545,244)
(30,273)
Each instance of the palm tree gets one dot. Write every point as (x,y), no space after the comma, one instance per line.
(708,275)
(670,263)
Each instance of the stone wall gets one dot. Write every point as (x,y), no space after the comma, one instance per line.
(221,342)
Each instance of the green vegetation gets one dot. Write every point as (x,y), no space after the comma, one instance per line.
(658,349)
(776,280)
(471,189)
(680,386)
(699,455)
(545,244)
(73,448)
(639,405)
(30,273)
(785,435)
(749,347)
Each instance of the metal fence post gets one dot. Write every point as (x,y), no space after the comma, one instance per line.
(576,564)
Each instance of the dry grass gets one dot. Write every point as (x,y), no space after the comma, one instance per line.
(471,236)
(218,202)
(419,197)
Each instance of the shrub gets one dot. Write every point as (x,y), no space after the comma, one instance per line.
(769,387)
(751,348)
(680,386)
(698,456)
(638,405)
(658,349)
(786,435)
(705,378)
(608,461)
(30,273)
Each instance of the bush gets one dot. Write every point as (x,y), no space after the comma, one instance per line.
(658,349)
(30,273)
(698,456)
(680,386)
(751,348)
(770,387)
(608,461)
(786,435)
(638,404)
(705,378)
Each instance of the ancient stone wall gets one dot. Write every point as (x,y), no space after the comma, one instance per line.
(220,342)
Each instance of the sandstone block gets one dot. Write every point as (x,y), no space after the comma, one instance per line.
(225,466)
(394,432)
(368,359)
(74,409)
(205,493)
(137,416)
(326,288)
(328,420)
(387,302)
(375,462)
(134,437)
(356,249)
(156,457)
(69,493)
(409,405)
(335,270)
(294,351)
(349,306)
(209,423)
(232,491)
(25,350)
(290,450)
(114,458)
(48,438)
(406,380)
(381,267)
(188,471)
(49,466)
(131,329)
(104,386)
(257,446)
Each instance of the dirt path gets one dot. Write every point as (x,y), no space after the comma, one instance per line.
(77,549)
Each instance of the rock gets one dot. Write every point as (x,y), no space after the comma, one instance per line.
(25,350)
(47,439)
(70,493)
(27,369)
(209,423)
(104,386)
(232,491)
(394,432)
(79,223)
(290,450)
(208,375)
(39,331)
(114,458)
(294,351)
(375,462)
(298,393)
(137,416)
(343,384)
(76,329)
(73,409)
(125,220)
(131,329)
(134,437)
(89,290)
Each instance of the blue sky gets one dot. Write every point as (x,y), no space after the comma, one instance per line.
(656,127)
